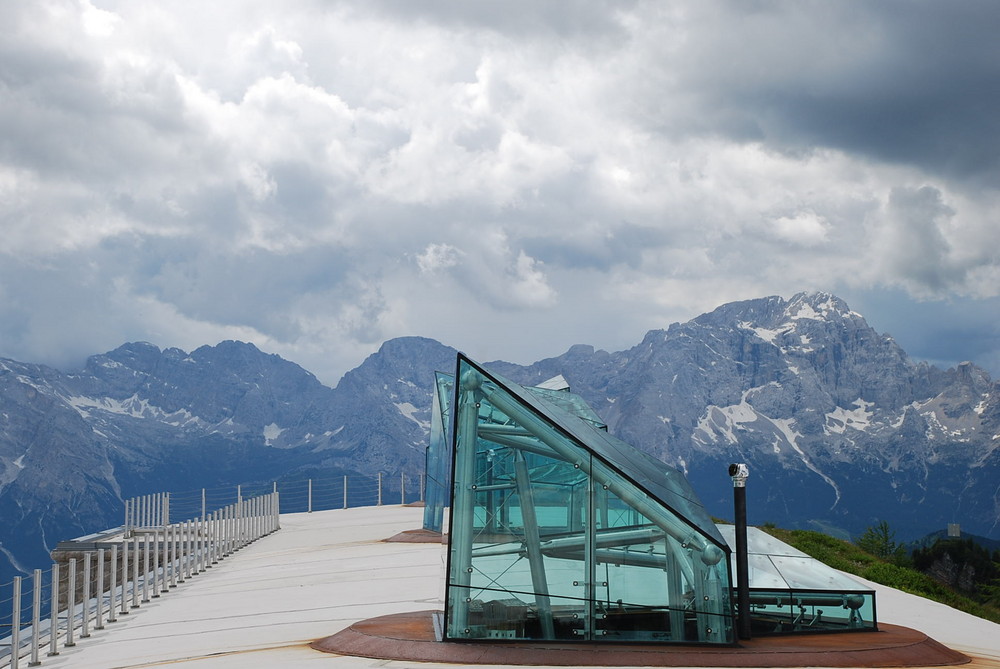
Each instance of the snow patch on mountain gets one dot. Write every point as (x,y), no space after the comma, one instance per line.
(723,422)
(409,410)
(271,432)
(766,334)
(806,311)
(840,419)
(786,425)
(14,561)
(132,406)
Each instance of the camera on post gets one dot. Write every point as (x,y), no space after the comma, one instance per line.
(739,474)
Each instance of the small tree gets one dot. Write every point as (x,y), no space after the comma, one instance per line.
(880,541)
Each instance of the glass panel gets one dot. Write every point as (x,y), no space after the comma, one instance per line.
(550,542)
(763,573)
(570,403)
(790,611)
(805,573)
(438,456)
(664,483)
(518,506)
(792,592)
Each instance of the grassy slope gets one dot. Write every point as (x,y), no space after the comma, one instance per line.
(847,557)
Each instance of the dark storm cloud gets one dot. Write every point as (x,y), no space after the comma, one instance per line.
(942,332)
(907,82)
(254,288)
(597,248)
(572,18)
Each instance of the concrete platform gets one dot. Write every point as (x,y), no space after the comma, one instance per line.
(329,571)
(410,636)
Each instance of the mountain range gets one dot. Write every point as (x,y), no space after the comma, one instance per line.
(840,429)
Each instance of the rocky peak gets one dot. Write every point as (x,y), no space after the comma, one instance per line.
(839,427)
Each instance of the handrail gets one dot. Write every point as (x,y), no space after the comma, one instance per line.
(107,574)
(82,598)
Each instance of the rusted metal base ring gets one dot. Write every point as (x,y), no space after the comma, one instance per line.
(410,636)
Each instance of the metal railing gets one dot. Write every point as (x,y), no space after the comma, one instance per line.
(299,495)
(104,576)
(99,582)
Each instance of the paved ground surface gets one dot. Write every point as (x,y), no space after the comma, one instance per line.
(324,571)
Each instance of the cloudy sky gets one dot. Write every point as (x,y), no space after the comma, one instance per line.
(509,178)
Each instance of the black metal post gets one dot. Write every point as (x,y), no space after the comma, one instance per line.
(739,474)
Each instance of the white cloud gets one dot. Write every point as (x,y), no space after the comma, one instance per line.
(438,257)
(803,228)
(328,175)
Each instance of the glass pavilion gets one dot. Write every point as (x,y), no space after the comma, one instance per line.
(560,531)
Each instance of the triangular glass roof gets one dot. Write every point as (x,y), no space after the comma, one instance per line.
(568,402)
(660,481)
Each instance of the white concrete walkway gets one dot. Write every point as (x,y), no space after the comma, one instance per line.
(324,571)
(261,606)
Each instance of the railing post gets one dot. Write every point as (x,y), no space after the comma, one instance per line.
(165,550)
(85,626)
(345,491)
(251,519)
(224,530)
(172,559)
(124,603)
(230,524)
(156,561)
(216,536)
(99,613)
(258,517)
(15,626)
(422,481)
(188,547)
(71,605)
(54,617)
(265,514)
(379,489)
(135,571)
(113,592)
(402,489)
(166,509)
(200,544)
(36,617)
(182,548)
(203,508)
(145,568)
(310,497)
